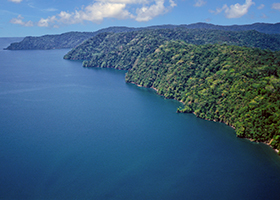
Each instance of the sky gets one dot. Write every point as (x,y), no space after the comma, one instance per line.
(20,18)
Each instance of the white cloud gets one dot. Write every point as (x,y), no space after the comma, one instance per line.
(276,6)
(93,13)
(172,3)
(101,9)
(199,3)
(19,21)
(43,22)
(46,22)
(147,13)
(236,10)
(16,1)
(261,6)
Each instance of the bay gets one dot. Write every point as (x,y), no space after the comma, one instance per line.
(68,132)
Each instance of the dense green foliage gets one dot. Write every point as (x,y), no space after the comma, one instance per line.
(260,27)
(120,50)
(236,85)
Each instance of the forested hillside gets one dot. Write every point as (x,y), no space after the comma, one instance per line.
(236,85)
(239,86)
(72,39)
(120,50)
(260,27)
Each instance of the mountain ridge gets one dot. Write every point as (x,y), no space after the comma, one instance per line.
(74,38)
(107,44)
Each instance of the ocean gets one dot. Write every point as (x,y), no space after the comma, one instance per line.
(68,132)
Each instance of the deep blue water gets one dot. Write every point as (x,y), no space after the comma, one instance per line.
(68,132)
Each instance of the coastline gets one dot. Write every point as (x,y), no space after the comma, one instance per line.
(251,140)
(266,143)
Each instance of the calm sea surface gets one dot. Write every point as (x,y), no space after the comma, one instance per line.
(68,132)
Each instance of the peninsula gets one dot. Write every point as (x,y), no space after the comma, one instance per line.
(228,74)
